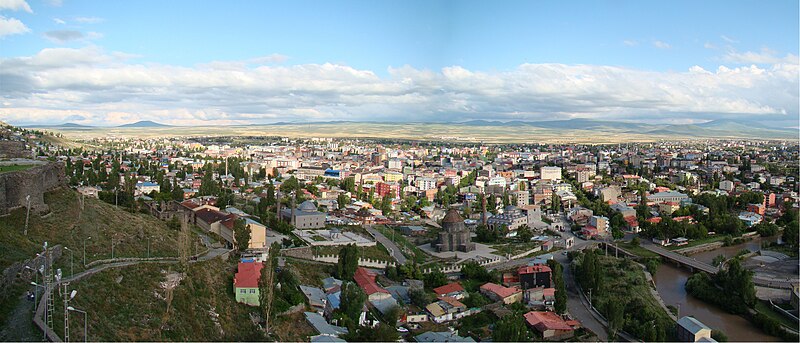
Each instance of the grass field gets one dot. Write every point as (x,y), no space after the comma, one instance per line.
(696,242)
(15,167)
(765,308)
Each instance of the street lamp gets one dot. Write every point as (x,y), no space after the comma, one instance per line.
(36,282)
(85,321)
(84,250)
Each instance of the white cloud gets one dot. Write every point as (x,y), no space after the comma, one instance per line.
(728,39)
(15,5)
(630,42)
(89,20)
(110,88)
(11,26)
(55,3)
(63,36)
(709,45)
(59,21)
(661,45)
(765,56)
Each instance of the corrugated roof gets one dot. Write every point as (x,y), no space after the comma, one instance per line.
(247,275)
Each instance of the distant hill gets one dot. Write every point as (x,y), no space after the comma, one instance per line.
(62,126)
(144,123)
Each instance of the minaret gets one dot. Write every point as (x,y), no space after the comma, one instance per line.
(293,208)
(484,209)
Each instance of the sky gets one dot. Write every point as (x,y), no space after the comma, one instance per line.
(250,62)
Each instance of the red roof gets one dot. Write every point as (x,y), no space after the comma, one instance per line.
(539,268)
(501,291)
(449,288)
(366,280)
(247,275)
(543,321)
(654,220)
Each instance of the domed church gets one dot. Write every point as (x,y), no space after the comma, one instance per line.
(454,235)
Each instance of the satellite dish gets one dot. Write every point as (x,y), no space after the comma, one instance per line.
(72,294)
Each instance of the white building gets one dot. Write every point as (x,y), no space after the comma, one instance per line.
(425,183)
(551,173)
(726,185)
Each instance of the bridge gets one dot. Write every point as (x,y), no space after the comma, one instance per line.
(681,259)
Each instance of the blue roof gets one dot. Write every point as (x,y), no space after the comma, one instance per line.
(334,300)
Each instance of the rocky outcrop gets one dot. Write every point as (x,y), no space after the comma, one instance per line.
(16,186)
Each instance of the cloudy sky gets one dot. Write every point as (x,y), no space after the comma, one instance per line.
(240,62)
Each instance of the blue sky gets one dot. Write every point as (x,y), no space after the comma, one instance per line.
(437,47)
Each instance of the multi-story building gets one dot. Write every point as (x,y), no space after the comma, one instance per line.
(550,173)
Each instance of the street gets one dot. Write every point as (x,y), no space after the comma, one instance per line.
(396,253)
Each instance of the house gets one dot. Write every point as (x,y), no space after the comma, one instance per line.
(366,281)
(749,218)
(245,283)
(534,276)
(540,297)
(446,336)
(666,208)
(689,329)
(447,309)
(315,298)
(258,234)
(452,290)
(550,325)
(322,327)
(508,295)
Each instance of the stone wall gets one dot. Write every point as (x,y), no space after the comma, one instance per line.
(15,186)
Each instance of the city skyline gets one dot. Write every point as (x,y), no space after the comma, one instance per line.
(247,63)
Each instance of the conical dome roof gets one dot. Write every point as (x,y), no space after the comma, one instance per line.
(452,216)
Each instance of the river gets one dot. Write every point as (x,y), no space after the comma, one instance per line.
(670,283)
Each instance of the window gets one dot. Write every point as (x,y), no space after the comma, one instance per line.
(252,291)
(243,291)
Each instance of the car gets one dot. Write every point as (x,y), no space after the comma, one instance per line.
(402,329)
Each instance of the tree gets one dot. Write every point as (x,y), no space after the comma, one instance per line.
(616,318)
(510,328)
(342,201)
(561,292)
(348,262)
(386,204)
(241,234)
(635,241)
(790,235)
(351,302)
(435,279)
(419,298)
(524,234)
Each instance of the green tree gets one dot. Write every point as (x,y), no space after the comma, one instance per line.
(790,235)
(342,201)
(351,302)
(435,279)
(510,328)
(348,262)
(241,234)
(616,317)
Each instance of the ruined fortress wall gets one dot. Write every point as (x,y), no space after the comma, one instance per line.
(15,186)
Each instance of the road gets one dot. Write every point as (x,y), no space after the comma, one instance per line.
(396,253)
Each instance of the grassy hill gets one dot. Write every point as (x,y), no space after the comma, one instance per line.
(128,304)
(68,225)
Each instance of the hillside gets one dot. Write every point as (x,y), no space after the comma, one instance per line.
(68,225)
(129,304)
